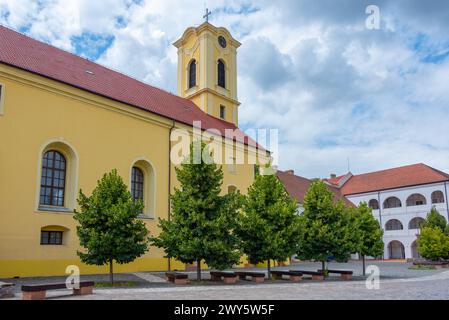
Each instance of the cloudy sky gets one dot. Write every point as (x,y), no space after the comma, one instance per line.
(334,89)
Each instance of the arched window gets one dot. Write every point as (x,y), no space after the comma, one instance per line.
(221,74)
(416,199)
(396,250)
(53,178)
(137,183)
(415,223)
(373,204)
(57,177)
(143,186)
(392,202)
(232,189)
(192,74)
(437,197)
(393,224)
(415,250)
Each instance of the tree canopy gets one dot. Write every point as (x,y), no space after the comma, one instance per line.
(109,228)
(269,226)
(202,222)
(329,229)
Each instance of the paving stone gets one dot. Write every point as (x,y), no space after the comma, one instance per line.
(396,282)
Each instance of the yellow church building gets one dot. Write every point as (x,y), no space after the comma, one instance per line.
(65,121)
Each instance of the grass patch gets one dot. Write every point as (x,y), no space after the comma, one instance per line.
(422,267)
(116,284)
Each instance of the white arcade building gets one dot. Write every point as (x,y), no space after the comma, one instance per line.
(400,198)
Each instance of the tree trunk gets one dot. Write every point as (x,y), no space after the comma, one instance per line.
(269,269)
(364,270)
(111,271)
(323,266)
(198,269)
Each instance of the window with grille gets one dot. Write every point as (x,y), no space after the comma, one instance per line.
(437,197)
(137,183)
(51,237)
(53,179)
(393,225)
(373,204)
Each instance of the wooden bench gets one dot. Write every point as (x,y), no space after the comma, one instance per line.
(177,277)
(257,277)
(294,276)
(344,274)
(38,292)
(227,277)
(316,275)
(6,290)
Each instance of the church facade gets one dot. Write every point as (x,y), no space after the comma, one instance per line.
(65,121)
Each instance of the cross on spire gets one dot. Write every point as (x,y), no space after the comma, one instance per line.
(208,13)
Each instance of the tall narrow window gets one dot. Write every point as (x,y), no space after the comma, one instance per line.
(192,74)
(221,74)
(137,184)
(223,112)
(53,179)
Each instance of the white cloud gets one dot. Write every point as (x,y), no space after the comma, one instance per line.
(334,89)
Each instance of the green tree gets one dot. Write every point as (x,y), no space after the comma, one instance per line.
(109,228)
(446,230)
(370,233)
(435,220)
(433,243)
(202,223)
(269,225)
(329,229)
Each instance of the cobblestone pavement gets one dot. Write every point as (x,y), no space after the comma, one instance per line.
(397,282)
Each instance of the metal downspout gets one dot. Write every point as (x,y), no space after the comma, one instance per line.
(169,180)
(380,218)
(447,204)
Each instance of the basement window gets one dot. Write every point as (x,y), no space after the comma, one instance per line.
(51,238)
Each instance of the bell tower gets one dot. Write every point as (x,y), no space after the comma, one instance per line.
(207,70)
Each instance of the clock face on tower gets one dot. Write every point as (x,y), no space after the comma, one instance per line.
(222,41)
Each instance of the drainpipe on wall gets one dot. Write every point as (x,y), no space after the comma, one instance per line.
(447,204)
(380,219)
(169,180)
(380,210)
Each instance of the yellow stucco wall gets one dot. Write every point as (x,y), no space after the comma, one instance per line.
(103,135)
(201,44)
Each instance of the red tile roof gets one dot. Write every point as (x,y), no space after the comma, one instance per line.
(23,52)
(336,180)
(416,174)
(297,187)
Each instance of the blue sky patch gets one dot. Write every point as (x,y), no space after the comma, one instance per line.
(92,46)
(430,52)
